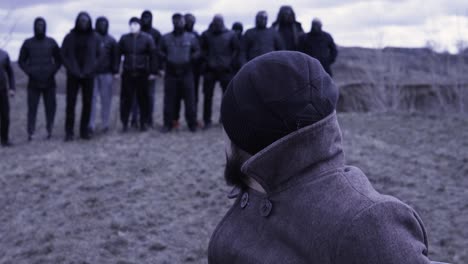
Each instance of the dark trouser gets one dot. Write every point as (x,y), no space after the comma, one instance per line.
(209,82)
(152,100)
(177,88)
(151,97)
(4,115)
(73,86)
(134,86)
(196,83)
(50,105)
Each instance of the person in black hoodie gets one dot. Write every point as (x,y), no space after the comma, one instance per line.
(40,59)
(108,66)
(139,67)
(260,39)
(220,48)
(320,45)
(146,21)
(178,50)
(288,28)
(7,88)
(81,51)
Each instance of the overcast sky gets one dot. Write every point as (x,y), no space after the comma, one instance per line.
(366,23)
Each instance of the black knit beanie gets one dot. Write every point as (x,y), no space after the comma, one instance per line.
(273,95)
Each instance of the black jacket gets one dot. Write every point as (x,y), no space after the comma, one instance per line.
(257,42)
(81,52)
(219,50)
(179,52)
(139,51)
(6,73)
(110,59)
(319,45)
(40,59)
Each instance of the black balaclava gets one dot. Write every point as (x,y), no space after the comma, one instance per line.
(274,95)
(178,21)
(102,26)
(189,22)
(146,20)
(261,20)
(83,23)
(218,24)
(286,16)
(285,21)
(40,28)
(316,26)
(238,28)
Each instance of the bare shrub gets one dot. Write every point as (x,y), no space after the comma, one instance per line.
(7,27)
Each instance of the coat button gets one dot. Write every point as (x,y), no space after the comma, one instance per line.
(266,207)
(244,200)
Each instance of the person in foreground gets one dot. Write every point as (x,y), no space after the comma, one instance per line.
(297,201)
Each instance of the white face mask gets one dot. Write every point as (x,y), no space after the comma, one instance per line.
(134,27)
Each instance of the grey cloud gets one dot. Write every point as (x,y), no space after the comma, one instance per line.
(115,4)
(15,4)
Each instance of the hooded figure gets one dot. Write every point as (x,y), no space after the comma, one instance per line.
(220,48)
(146,20)
(108,66)
(147,26)
(320,45)
(81,51)
(288,28)
(179,49)
(260,39)
(296,200)
(40,59)
(7,88)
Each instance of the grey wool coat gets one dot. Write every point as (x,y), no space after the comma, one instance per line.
(315,210)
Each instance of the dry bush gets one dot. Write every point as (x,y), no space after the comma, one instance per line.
(400,79)
(7,27)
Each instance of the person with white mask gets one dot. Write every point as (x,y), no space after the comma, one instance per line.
(139,66)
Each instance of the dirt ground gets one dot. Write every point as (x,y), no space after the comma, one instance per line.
(154,198)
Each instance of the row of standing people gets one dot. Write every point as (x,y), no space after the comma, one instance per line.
(92,59)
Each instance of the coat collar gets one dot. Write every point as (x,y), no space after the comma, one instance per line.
(305,153)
